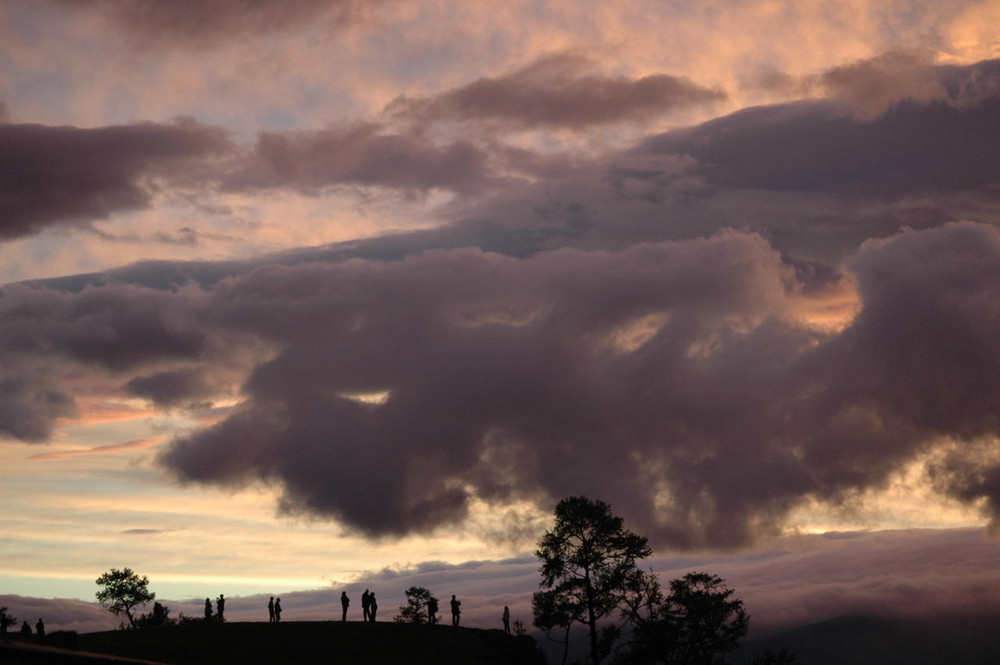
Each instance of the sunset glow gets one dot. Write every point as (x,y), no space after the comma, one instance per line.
(300,297)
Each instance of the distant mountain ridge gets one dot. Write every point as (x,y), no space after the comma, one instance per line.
(860,640)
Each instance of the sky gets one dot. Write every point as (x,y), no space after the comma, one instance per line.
(301,296)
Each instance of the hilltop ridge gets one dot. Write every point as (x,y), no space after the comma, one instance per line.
(307,642)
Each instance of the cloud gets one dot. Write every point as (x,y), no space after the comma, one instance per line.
(66,175)
(360,154)
(217,21)
(137,444)
(937,144)
(872,87)
(919,574)
(681,381)
(510,378)
(558,91)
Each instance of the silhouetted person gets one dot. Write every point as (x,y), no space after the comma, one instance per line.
(372,606)
(344,603)
(270,610)
(277,611)
(208,609)
(506,619)
(456,610)
(365,605)
(25,628)
(432,610)
(220,607)
(40,628)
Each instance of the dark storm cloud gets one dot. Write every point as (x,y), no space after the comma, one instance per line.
(358,155)
(666,379)
(67,175)
(47,335)
(670,379)
(938,145)
(210,22)
(558,91)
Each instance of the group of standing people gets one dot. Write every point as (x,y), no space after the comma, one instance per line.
(369,606)
(369,609)
(274,610)
(220,608)
(432,610)
(26,628)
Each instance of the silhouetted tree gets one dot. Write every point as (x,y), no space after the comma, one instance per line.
(588,559)
(6,620)
(696,623)
(122,590)
(415,609)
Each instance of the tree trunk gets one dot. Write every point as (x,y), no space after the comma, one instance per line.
(591,620)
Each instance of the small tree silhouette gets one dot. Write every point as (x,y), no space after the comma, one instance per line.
(6,620)
(415,610)
(122,590)
(698,622)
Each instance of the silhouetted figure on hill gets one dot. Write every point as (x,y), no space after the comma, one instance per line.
(270,610)
(432,610)
(25,628)
(365,605)
(208,609)
(220,607)
(277,611)
(372,606)
(159,614)
(344,603)
(506,619)
(40,628)
(456,610)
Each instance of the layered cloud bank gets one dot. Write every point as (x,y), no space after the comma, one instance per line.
(687,383)
(711,327)
(921,575)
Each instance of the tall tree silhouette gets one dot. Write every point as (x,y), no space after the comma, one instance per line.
(588,560)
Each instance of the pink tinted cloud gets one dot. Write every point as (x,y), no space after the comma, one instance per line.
(558,91)
(66,175)
(135,444)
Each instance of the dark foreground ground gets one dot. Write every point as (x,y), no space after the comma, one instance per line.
(304,643)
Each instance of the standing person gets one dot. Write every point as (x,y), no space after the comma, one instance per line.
(365,605)
(40,627)
(270,610)
(372,606)
(456,610)
(344,603)
(220,607)
(506,619)
(432,610)
(277,611)
(25,628)
(208,609)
